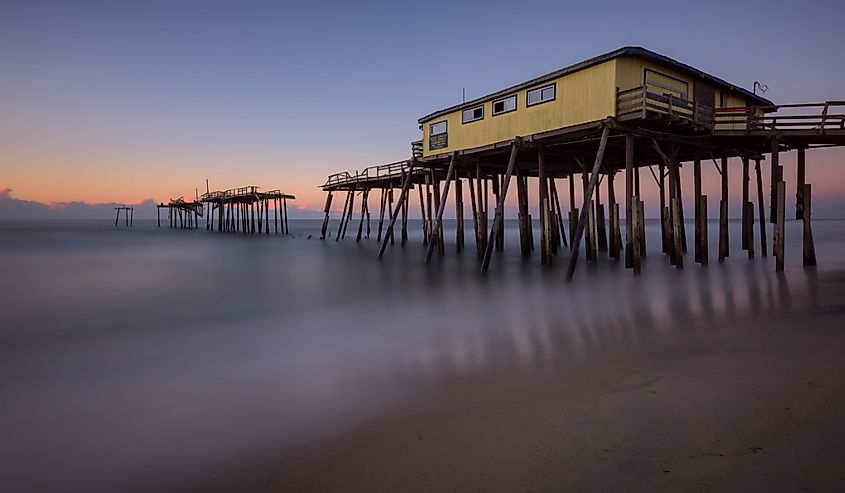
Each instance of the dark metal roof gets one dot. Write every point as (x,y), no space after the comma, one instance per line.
(627,51)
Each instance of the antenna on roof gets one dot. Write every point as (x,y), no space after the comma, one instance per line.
(763,87)
(464,94)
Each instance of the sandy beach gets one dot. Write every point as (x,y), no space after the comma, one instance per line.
(753,404)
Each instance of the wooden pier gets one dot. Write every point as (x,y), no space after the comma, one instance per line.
(651,137)
(247,210)
(128,212)
(181,214)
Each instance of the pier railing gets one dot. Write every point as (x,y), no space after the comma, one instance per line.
(817,117)
(382,173)
(638,102)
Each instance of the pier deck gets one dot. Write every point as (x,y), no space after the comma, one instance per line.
(649,131)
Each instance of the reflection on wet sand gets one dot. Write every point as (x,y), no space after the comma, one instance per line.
(118,346)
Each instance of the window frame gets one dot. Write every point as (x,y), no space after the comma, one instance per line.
(464,122)
(445,128)
(540,89)
(515,105)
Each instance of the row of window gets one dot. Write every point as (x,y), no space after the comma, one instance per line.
(506,105)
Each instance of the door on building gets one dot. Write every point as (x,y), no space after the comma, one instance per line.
(705,98)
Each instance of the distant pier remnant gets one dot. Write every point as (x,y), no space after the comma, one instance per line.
(247,210)
(181,214)
(128,212)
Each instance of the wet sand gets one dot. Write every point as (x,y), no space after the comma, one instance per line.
(755,404)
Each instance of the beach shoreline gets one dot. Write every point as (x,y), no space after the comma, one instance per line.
(752,405)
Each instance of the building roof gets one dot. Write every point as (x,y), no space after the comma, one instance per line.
(627,51)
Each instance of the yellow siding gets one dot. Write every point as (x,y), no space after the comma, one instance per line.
(584,96)
(629,74)
(734,101)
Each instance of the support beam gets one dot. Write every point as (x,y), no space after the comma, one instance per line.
(636,241)
(705,247)
(809,245)
(724,246)
(382,204)
(522,217)
(363,215)
(500,210)
(475,226)
(801,181)
(559,222)
(761,207)
(601,221)
(405,187)
(780,227)
(459,214)
(613,210)
(744,221)
(776,177)
(579,232)
(696,171)
(436,237)
(543,207)
(629,194)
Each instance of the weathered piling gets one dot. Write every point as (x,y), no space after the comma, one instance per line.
(806,213)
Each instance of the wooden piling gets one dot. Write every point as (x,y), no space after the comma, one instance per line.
(382,203)
(422,214)
(696,172)
(472,199)
(559,224)
(664,215)
(404,234)
(806,216)
(636,231)
(573,211)
(776,177)
(749,229)
(363,215)
(543,207)
(436,238)
(801,181)
(601,223)
(761,208)
(614,217)
(629,194)
(349,195)
(704,256)
(576,240)
(500,206)
(724,247)
(744,221)
(780,227)
(390,206)
(395,213)
(522,216)
(459,214)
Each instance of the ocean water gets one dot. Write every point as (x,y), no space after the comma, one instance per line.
(152,359)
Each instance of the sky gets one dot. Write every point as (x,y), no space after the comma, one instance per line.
(120,102)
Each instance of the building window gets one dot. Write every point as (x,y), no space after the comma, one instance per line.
(505,105)
(437,128)
(540,95)
(473,114)
(723,99)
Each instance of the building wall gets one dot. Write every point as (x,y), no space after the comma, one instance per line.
(584,96)
(630,73)
(588,95)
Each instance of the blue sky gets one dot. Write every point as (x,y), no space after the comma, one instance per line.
(119,101)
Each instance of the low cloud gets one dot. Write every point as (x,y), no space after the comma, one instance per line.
(14,208)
